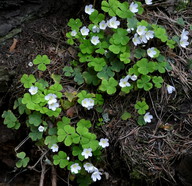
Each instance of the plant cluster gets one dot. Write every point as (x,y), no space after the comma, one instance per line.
(116,53)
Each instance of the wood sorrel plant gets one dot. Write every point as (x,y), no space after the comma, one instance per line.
(113,44)
(119,43)
(72,145)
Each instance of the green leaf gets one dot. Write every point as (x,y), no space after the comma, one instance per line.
(161,66)
(123,11)
(115,49)
(10,120)
(60,159)
(144,83)
(35,119)
(141,121)
(78,77)
(68,71)
(95,17)
(180,21)
(106,73)
(90,77)
(120,37)
(157,80)
(75,24)
(21,107)
(97,64)
(50,140)
(117,66)
(132,22)
(145,67)
(141,106)
(125,57)
(108,85)
(28,80)
(139,53)
(21,155)
(35,134)
(125,116)
(86,47)
(84,123)
(41,61)
(109,7)
(56,78)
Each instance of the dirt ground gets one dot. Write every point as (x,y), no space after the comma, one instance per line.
(126,157)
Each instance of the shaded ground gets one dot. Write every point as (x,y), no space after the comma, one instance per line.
(156,152)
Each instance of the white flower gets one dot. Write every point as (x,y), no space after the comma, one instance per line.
(89,9)
(149,34)
(95,29)
(133,7)
(103,25)
(148,2)
(148,117)
(184,35)
(184,43)
(130,29)
(113,23)
(87,103)
(124,82)
(84,31)
(141,30)
(151,52)
(89,167)
(136,40)
(75,168)
(30,64)
(73,33)
(53,106)
(33,90)
(41,128)
(104,142)
(95,40)
(143,38)
(96,176)
(51,98)
(134,77)
(68,158)
(54,148)
(87,153)
(170,89)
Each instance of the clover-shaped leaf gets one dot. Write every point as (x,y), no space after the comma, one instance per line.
(86,47)
(117,66)
(75,24)
(10,120)
(90,77)
(50,140)
(23,160)
(41,61)
(60,159)
(145,67)
(108,85)
(76,151)
(97,64)
(120,37)
(157,80)
(144,82)
(84,123)
(68,71)
(125,57)
(28,80)
(95,17)
(141,106)
(110,7)
(35,119)
(160,66)
(106,73)
(20,106)
(35,134)
(123,10)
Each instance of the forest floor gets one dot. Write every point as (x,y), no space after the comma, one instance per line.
(156,154)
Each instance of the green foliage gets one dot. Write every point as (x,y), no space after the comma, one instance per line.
(28,80)
(60,159)
(42,61)
(23,162)
(125,116)
(10,120)
(141,106)
(109,85)
(144,83)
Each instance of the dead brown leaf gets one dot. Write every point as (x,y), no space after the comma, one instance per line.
(13,46)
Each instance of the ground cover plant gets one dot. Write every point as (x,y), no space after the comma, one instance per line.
(117,54)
